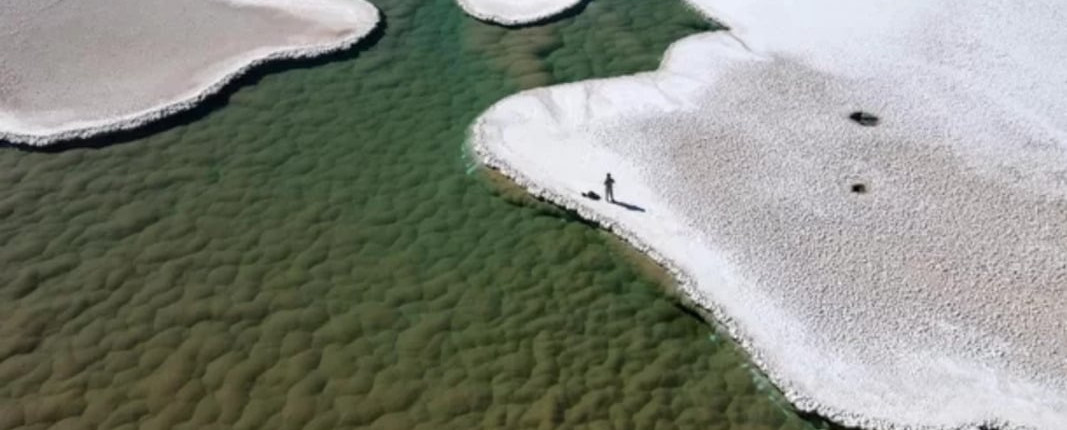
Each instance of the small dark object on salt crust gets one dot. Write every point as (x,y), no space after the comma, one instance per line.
(591,195)
(859,188)
(865,119)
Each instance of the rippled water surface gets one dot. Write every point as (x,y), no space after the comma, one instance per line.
(318,253)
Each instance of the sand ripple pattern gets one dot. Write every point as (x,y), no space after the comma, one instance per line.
(315,255)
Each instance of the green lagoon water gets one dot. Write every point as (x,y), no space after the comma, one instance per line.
(319,254)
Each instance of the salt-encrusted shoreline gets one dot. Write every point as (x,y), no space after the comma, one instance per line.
(694,297)
(512,12)
(557,141)
(480,141)
(685,284)
(360,17)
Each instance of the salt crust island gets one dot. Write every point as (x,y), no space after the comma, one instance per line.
(515,12)
(909,274)
(72,69)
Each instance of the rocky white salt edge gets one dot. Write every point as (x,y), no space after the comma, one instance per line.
(515,12)
(934,296)
(76,69)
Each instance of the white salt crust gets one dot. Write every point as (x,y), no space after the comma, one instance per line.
(515,12)
(75,69)
(936,300)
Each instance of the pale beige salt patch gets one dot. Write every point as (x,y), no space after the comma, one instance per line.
(74,68)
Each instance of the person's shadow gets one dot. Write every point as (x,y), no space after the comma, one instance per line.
(628,206)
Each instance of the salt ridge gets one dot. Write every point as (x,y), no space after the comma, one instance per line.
(562,118)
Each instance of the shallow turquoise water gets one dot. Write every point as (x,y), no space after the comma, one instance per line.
(319,254)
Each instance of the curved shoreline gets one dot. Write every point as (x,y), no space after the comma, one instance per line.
(489,129)
(685,281)
(360,11)
(549,9)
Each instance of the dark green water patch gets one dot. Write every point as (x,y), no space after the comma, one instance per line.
(315,254)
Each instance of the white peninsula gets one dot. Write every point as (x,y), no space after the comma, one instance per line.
(872,196)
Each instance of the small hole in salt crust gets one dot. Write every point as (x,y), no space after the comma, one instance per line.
(859,188)
(865,119)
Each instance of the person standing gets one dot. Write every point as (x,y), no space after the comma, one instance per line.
(609,189)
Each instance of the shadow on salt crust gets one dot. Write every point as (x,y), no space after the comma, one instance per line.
(932,297)
(77,69)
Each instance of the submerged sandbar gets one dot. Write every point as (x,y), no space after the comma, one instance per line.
(71,69)
(904,273)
